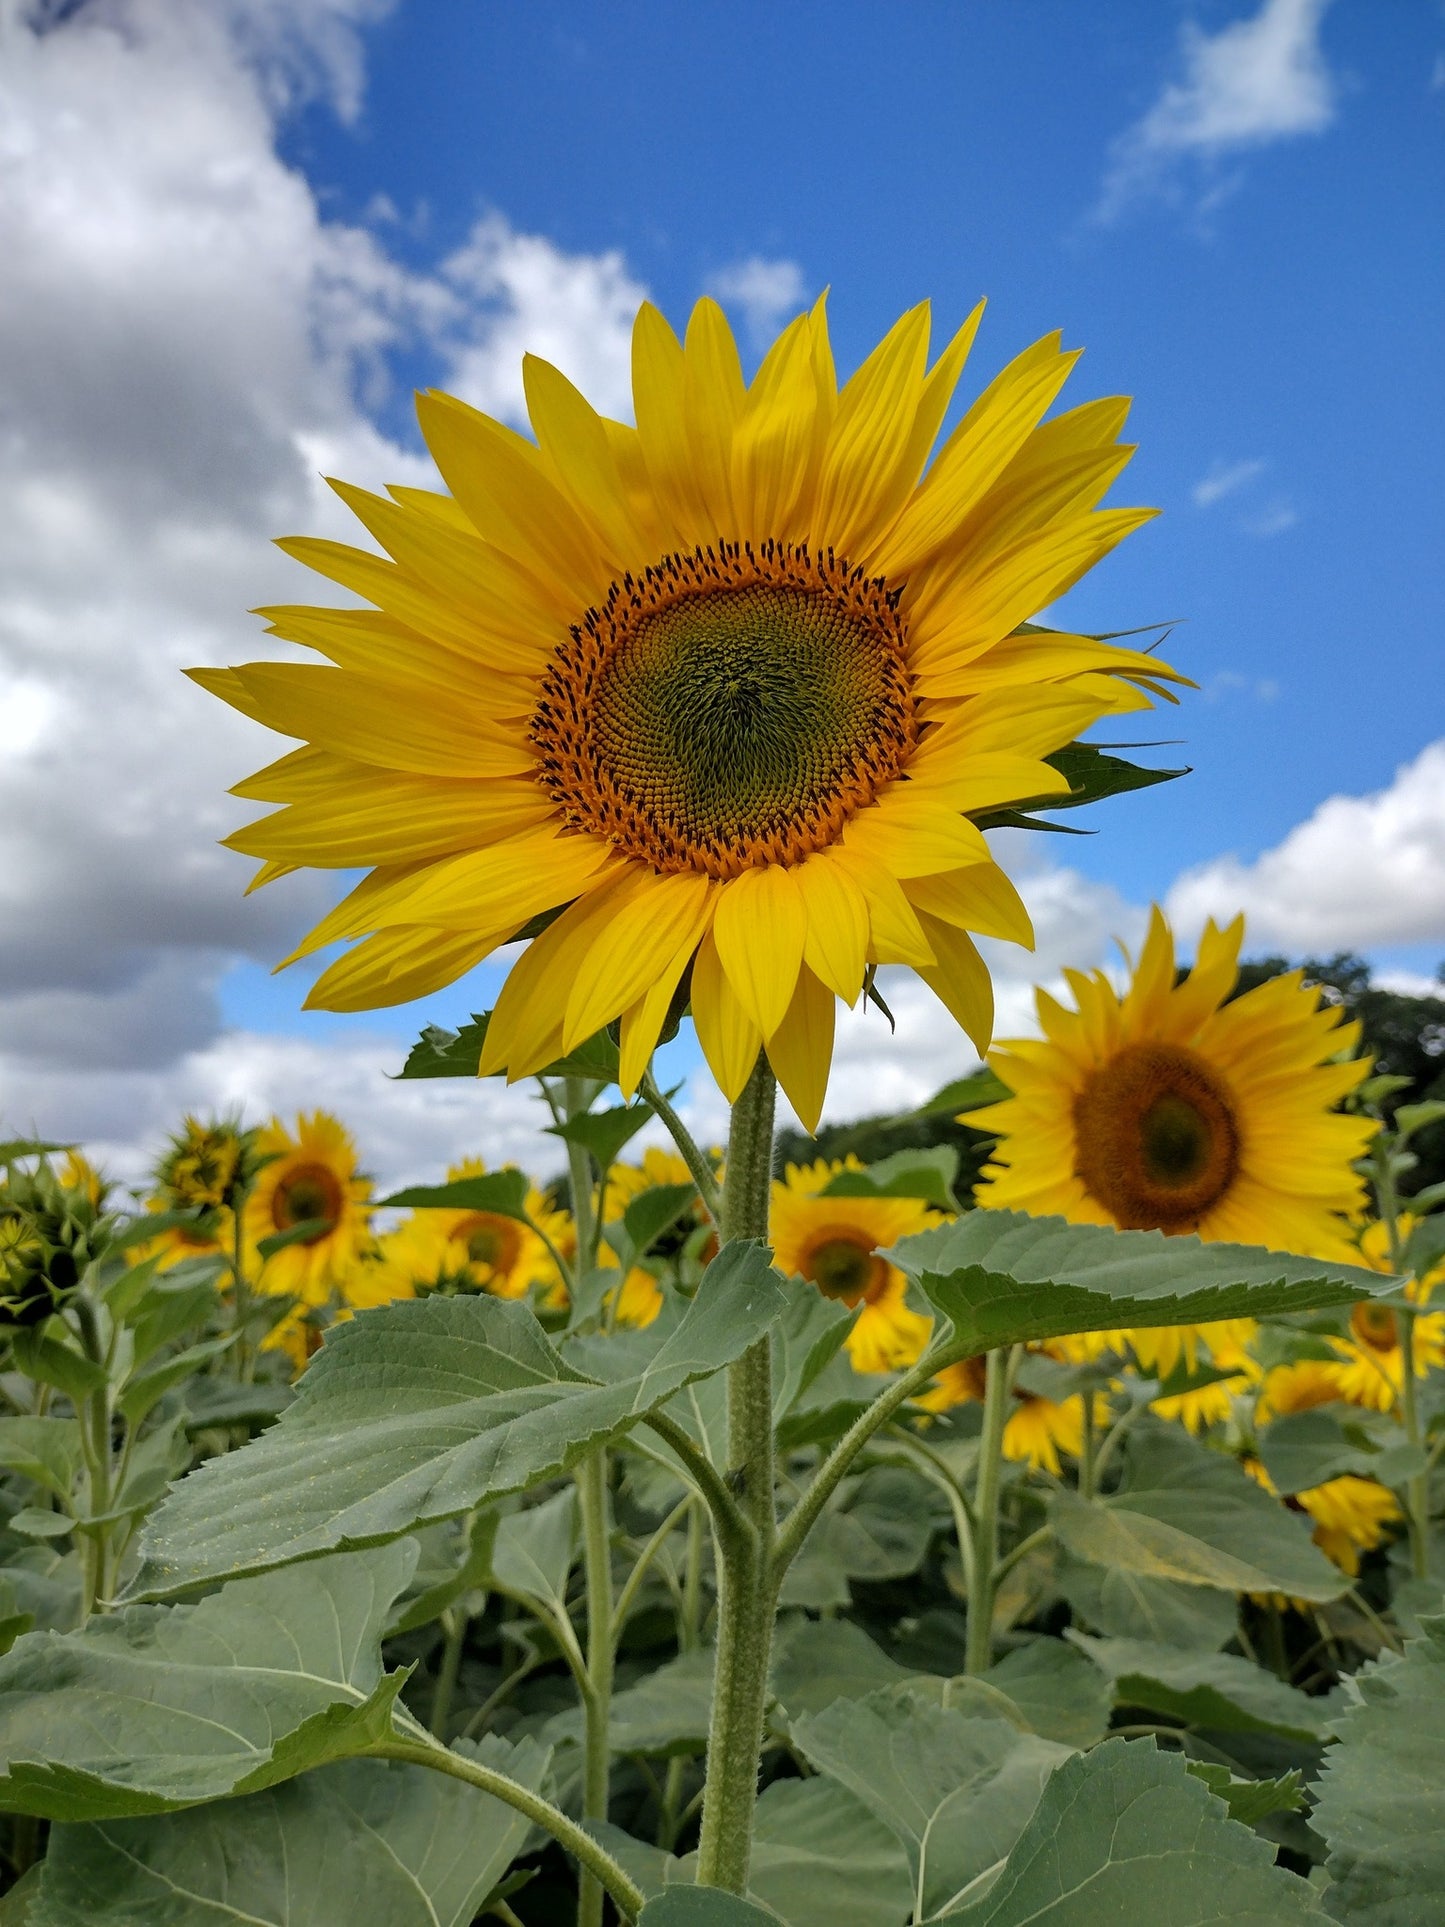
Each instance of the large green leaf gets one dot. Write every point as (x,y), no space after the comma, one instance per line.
(1193,1516)
(927,1173)
(1303,1449)
(533,1551)
(418,1412)
(665,1713)
(367,1841)
(501,1192)
(817,1661)
(162,1706)
(704,1907)
(1044,1687)
(819,1855)
(1214,1690)
(955,1791)
(1127,1834)
(1134,1605)
(47,1450)
(1000,1277)
(1381,1800)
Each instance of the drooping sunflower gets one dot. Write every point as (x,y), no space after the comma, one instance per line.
(311,1175)
(1170,1108)
(703,706)
(836,1244)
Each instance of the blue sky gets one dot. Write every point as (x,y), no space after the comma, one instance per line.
(239,234)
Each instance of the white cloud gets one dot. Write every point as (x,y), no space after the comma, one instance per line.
(765,292)
(1224,478)
(1257,80)
(1273,519)
(1361,872)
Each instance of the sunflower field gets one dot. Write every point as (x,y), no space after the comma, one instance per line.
(682,1535)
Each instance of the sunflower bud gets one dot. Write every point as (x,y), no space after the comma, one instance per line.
(208,1167)
(50,1235)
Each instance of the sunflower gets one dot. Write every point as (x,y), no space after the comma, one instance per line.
(703,706)
(1164,1350)
(77,1173)
(1351,1515)
(461,1250)
(1375,1252)
(835,1244)
(1371,1371)
(1297,1387)
(1170,1108)
(310,1175)
(1038,1429)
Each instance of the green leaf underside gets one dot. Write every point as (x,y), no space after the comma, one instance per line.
(1134,1605)
(503,1193)
(366,1841)
(1003,1277)
(1127,1834)
(1192,1516)
(1380,1802)
(458,1053)
(954,1790)
(159,1707)
(417,1412)
(1212,1690)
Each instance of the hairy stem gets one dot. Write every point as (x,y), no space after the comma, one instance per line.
(597,1711)
(997,1387)
(454,1623)
(747,1593)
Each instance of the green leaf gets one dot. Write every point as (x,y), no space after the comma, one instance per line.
(665,1713)
(504,1193)
(817,1661)
(1193,1516)
(304,1232)
(927,1173)
(1002,1277)
(819,1856)
(1053,1691)
(533,1551)
(367,1841)
(703,1907)
(1380,1802)
(1092,775)
(47,1450)
(15,1148)
(955,1791)
(53,1363)
(220,1401)
(36,1522)
(1217,1691)
(1250,1801)
(1425,1246)
(418,1412)
(143,1392)
(1132,1605)
(1410,1118)
(447,1053)
(453,1561)
(1126,1833)
(651,1213)
(1303,1449)
(159,1707)
(604,1133)
(966,1094)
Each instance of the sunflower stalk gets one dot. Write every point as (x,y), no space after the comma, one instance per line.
(998,1388)
(747,1582)
(96,1420)
(597,1708)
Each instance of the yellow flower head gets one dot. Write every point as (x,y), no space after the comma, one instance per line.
(1038,1429)
(1297,1388)
(77,1173)
(718,693)
(1375,1252)
(1170,1108)
(459,1250)
(311,1174)
(1351,1516)
(202,1165)
(835,1244)
(1372,1368)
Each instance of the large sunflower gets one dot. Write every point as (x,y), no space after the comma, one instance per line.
(1170,1108)
(837,1244)
(311,1175)
(704,704)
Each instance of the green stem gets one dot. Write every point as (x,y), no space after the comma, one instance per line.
(423,1750)
(454,1620)
(686,1505)
(1417,1487)
(579,1171)
(96,1422)
(703,1175)
(241,1295)
(997,1386)
(747,1590)
(597,1710)
(1087,1475)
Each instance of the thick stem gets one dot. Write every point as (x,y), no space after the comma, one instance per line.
(1417,1488)
(422,1750)
(747,1592)
(597,1711)
(96,1423)
(979,1650)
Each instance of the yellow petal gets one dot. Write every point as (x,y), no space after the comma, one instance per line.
(396,967)
(760,926)
(895,934)
(729,1038)
(572,437)
(980,898)
(912,834)
(836,947)
(775,452)
(976,454)
(960,980)
(367,816)
(662,919)
(974,780)
(713,398)
(525,1032)
(801,1049)
(642,1025)
(864,479)
(506,883)
(659,381)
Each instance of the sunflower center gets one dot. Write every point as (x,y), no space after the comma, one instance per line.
(1157,1139)
(732,707)
(306,1191)
(493,1242)
(1374,1325)
(842,1268)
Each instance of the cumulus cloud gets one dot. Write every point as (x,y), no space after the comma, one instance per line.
(1258,80)
(764,292)
(1361,872)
